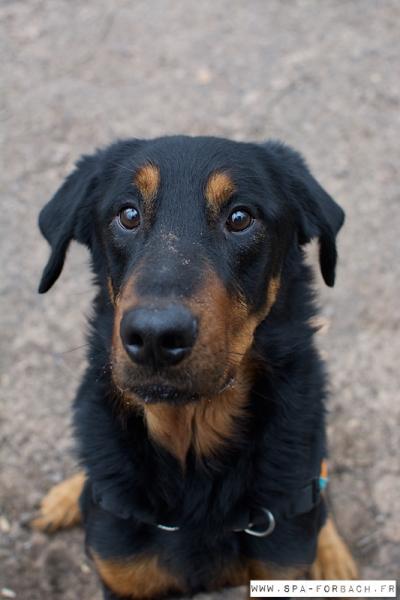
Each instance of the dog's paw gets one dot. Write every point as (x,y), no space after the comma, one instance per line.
(60,507)
(334,560)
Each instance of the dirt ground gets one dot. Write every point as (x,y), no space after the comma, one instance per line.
(324,77)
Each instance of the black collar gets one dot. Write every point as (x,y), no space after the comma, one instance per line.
(257,521)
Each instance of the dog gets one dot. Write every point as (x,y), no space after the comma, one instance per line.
(200,421)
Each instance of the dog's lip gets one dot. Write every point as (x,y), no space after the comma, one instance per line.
(153,393)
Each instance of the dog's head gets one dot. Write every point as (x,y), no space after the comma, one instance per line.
(189,238)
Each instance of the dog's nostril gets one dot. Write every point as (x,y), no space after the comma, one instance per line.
(135,340)
(172,341)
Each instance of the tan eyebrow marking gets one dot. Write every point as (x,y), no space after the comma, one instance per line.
(147,180)
(219,189)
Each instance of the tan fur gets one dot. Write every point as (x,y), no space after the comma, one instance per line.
(171,427)
(272,293)
(142,577)
(219,189)
(124,301)
(147,180)
(110,290)
(60,507)
(204,425)
(334,560)
(239,574)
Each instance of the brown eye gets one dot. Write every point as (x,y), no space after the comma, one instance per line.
(239,220)
(129,217)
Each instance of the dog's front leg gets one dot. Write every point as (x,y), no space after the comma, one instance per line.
(334,560)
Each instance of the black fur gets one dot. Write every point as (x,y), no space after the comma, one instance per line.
(133,483)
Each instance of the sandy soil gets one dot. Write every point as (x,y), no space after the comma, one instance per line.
(322,76)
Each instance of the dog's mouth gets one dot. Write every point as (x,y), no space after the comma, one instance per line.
(154,393)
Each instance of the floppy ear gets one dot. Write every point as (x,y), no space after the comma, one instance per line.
(316,213)
(67,217)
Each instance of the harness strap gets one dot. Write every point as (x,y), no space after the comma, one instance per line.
(260,521)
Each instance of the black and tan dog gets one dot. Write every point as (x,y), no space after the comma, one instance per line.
(200,420)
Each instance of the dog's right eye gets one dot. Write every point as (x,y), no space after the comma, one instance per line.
(129,217)
(239,220)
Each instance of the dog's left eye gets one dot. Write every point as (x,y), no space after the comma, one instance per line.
(129,217)
(239,220)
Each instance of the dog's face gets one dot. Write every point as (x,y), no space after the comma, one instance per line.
(189,236)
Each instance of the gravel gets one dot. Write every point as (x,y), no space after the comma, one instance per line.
(322,76)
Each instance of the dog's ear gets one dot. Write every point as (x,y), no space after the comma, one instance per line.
(317,214)
(67,216)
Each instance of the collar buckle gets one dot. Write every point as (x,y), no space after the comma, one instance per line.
(168,528)
(263,532)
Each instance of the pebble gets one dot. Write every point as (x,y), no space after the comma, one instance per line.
(7,593)
(4,525)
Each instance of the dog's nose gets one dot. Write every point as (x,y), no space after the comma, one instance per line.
(158,337)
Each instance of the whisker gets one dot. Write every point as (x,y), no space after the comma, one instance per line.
(76,348)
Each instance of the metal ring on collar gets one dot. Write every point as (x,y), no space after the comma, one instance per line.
(264,532)
(167,527)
